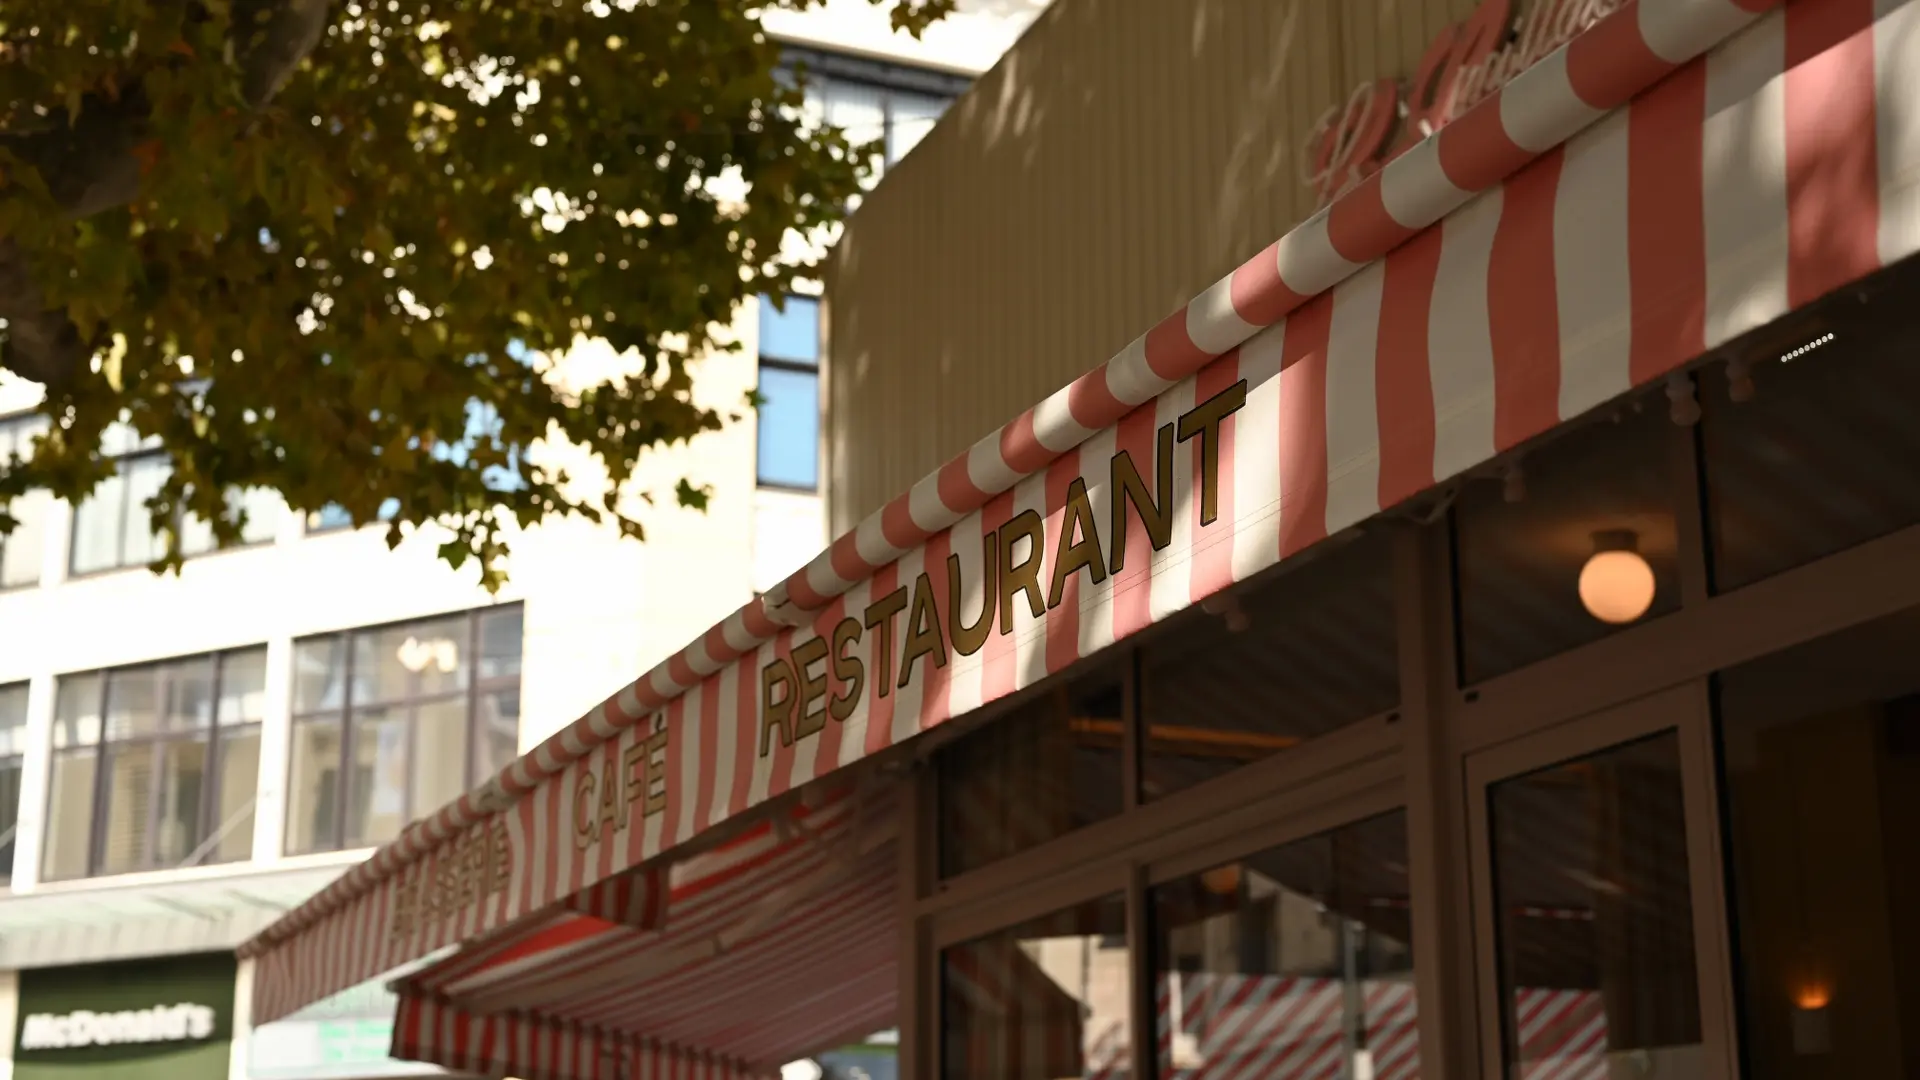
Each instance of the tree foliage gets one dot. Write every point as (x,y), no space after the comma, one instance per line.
(304,243)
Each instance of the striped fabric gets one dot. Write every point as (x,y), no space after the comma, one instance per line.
(1612,214)
(428,1029)
(779,943)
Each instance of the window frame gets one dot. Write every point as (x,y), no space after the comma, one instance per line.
(214,737)
(765,361)
(344,716)
(15,422)
(126,510)
(15,760)
(886,79)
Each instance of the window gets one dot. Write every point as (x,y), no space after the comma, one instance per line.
(789,416)
(1819,458)
(155,766)
(1595,914)
(392,723)
(112,530)
(887,106)
(20,550)
(13,754)
(1820,750)
(1047,768)
(1047,998)
(1293,962)
(1299,655)
(1536,559)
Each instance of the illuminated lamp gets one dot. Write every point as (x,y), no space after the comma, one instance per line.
(1222,880)
(1616,584)
(1812,1021)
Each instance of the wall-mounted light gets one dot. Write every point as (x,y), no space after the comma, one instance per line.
(1812,1020)
(1616,584)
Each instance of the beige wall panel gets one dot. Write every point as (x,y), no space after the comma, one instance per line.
(1125,154)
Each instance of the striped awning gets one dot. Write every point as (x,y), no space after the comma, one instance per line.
(1680,173)
(780,939)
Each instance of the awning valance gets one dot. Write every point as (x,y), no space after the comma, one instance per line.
(780,943)
(1614,213)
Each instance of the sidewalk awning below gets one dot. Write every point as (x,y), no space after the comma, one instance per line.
(776,945)
(128,921)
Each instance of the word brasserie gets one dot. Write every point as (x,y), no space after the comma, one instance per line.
(825,676)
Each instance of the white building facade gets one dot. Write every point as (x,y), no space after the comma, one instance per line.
(184,757)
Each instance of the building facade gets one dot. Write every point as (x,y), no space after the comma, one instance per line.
(1469,637)
(184,758)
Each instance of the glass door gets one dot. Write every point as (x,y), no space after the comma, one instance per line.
(1600,943)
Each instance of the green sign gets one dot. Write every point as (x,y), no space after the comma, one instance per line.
(127,1021)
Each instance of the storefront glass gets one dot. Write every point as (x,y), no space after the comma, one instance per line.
(1049,767)
(1821,754)
(167,1018)
(1293,962)
(1594,914)
(1545,561)
(345,1037)
(1297,656)
(1044,1000)
(1819,453)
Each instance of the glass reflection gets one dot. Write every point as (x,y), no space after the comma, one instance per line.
(1044,1000)
(1821,751)
(1595,916)
(1292,964)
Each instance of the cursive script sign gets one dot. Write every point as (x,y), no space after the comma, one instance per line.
(1464,64)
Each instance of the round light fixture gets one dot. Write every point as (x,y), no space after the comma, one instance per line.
(1222,880)
(1616,585)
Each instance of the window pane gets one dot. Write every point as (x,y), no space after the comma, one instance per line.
(243,687)
(1821,458)
(21,551)
(186,695)
(1306,653)
(69,816)
(127,829)
(913,116)
(13,720)
(1044,1000)
(11,771)
(789,428)
(314,795)
(1295,962)
(262,507)
(1821,754)
(1595,914)
(500,638)
(76,717)
(440,754)
(792,334)
(416,660)
(96,527)
(377,797)
(320,675)
(498,732)
(139,544)
(239,780)
(1036,774)
(182,783)
(1542,574)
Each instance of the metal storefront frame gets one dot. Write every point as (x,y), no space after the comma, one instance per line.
(1433,756)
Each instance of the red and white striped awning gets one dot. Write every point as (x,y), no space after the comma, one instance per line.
(1682,172)
(779,939)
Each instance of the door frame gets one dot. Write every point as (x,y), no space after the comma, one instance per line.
(1685,709)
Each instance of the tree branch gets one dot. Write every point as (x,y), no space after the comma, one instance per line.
(90,167)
